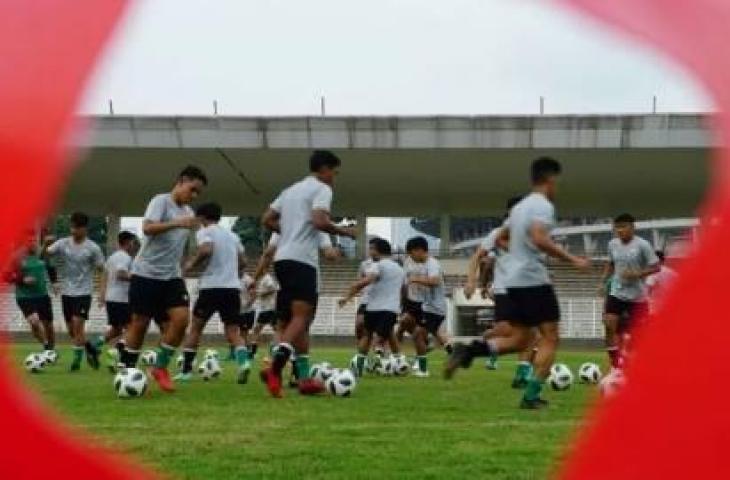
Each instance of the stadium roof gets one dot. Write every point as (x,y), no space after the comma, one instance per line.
(651,165)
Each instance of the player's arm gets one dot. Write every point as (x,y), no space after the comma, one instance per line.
(270,220)
(241,263)
(329,252)
(201,256)
(425,280)
(264,263)
(102,287)
(356,287)
(323,222)
(540,237)
(653,266)
(486,274)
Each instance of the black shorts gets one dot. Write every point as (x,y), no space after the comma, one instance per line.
(119,314)
(628,312)
(75,307)
(533,306)
(224,301)
(362,308)
(431,322)
(380,323)
(502,308)
(40,306)
(153,298)
(246,319)
(298,282)
(414,309)
(266,318)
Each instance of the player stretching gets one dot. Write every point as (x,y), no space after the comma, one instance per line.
(531,299)
(157,288)
(221,252)
(385,279)
(299,213)
(434,302)
(31,294)
(114,293)
(631,259)
(81,258)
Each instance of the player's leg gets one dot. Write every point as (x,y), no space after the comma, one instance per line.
(35,327)
(614,309)
(229,307)
(420,340)
(191,344)
(45,315)
(363,341)
(544,358)
(92,346)
(175,299)
(444,340)
(78,350)
(386,329)
(406,324)
(360,323)
(134,338)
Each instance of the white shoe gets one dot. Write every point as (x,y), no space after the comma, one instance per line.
(421,374)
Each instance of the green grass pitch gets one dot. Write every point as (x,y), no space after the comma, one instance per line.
(392,428)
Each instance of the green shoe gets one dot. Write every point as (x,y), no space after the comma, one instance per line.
(243,372)
(183,377)
(536,404)
(519,383)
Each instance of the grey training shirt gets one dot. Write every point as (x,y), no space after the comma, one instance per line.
(635,255)
(79,262)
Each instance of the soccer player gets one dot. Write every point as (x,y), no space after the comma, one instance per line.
(264,307)
(157,288)
(362,306)
(81,258)
(114,291)
(385,279)
(434,302)
(631,259)
(222,254)
(31,294)
(299,213)
(531,299)
(413,295)
(247,317)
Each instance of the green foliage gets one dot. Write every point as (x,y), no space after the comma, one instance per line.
(251,233)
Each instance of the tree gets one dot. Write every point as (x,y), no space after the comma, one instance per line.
(252,236)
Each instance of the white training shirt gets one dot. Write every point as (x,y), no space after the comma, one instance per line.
(361,272)
(415,293)
(435,300)
(499,255)
(385,292)
(117,290)
(266,302)
(222,268)
(160,255)
(526,264)
(246,301)
(299,240)
(79,262)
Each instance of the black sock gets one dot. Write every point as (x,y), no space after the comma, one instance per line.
(379,351)
(281,357)
(188,359)
(120,348)
(48,346)
(449,348)
(90,348)
(479,348)
(253,348)
(129,357)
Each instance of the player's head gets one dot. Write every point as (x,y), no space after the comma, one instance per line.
(660,255)
(209,213)
(544,174)
(417,248)
(379,248)
(623,227)
(79,224)
(189,185)
(325,165)
(127,241)
(371,244)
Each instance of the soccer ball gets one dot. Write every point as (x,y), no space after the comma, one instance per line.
(34,362)
(321,371)
(209,369)
(130,383)
(50,357)
(341,384)
(372,365)
(589,373)
(212,353)
(149,358)
(612,383)
(386,367)
(400,365)
(561,378)
(353,365)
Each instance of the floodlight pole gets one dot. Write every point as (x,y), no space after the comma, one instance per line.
(111,107)
(542,105)
(215,107)
(322,106)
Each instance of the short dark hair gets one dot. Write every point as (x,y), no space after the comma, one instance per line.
(323,158)
(543,168)
(416,243)
(373,240)
(79,219)
(209,211)
(660,255)
(191,172)
(514,201)
(381,245)
(125,237)
(624,218)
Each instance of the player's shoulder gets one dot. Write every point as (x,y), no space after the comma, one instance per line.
(642,242)
(92,245)
(613,242)
(160,198)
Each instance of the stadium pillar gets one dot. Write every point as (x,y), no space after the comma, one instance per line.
(361,242)
(445,233)
(113,227)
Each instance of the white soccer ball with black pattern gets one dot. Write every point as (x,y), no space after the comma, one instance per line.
(353,365)
(212,353)
(386,367)
(130,383)
(401,366)
(589,373)
(209,369)
(612,383)
(149,358)
(321,371)
(341,384)
(561,378)
(34,363)
(50,357)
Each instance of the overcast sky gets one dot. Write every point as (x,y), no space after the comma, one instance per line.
(277,57)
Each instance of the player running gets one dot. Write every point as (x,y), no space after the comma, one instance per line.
(433,308)
(81,258)
(222,254)
(299,213)
(385,279)
(413,295)
(631,260)
(114,293)
(531,299)
(157,288)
